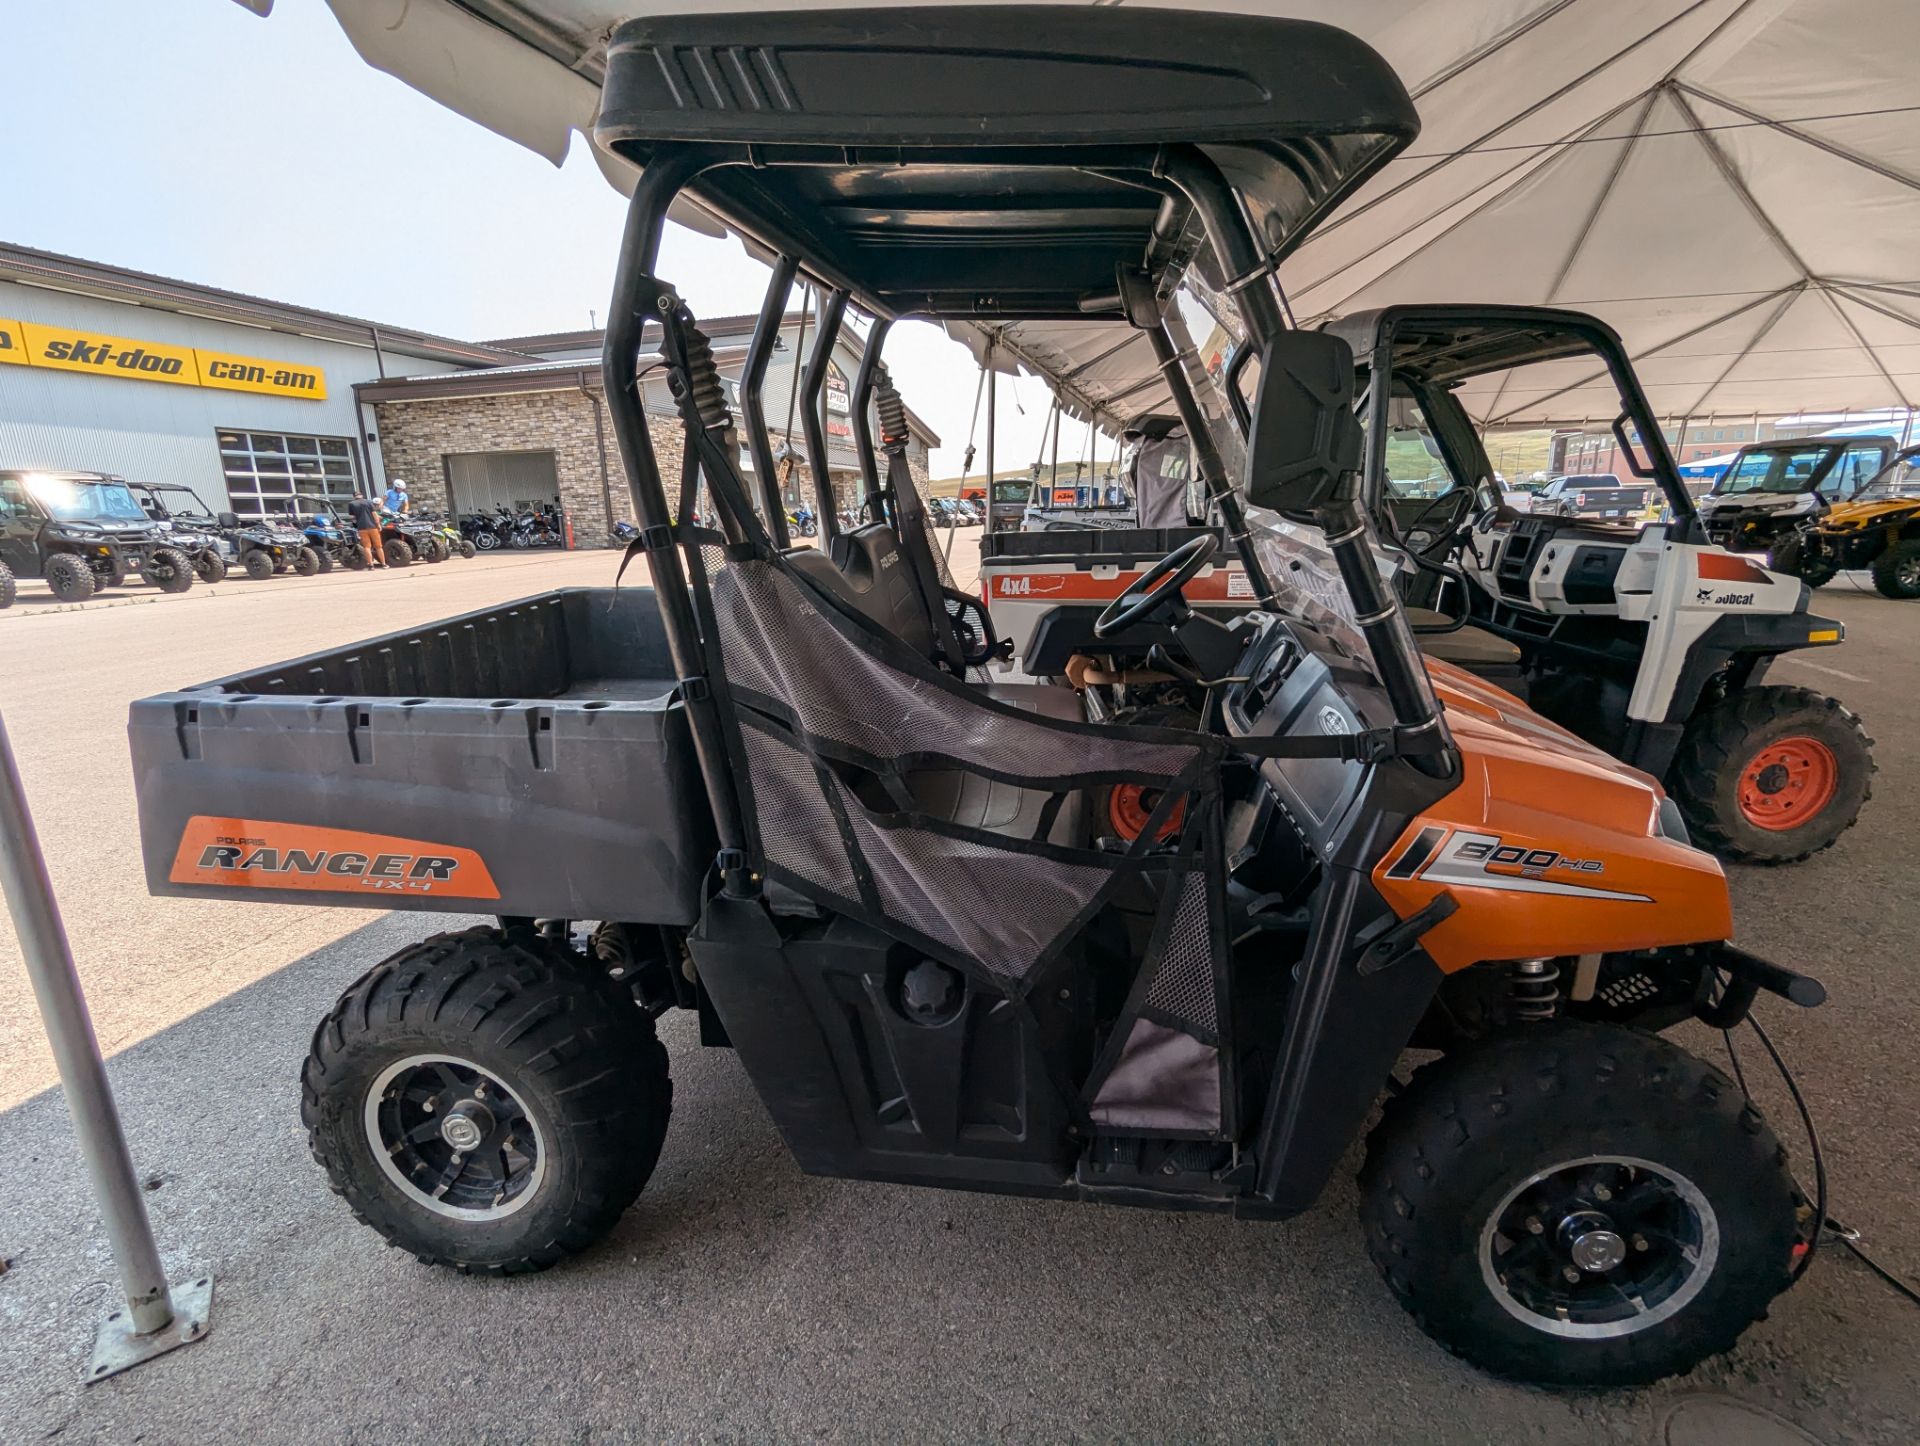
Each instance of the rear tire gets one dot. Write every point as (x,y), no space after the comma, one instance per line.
(211,567)
(259,565)
(168,569)
(323,558)
(1772,775)
(1601,1135)
(1790,557)
(397,553)
(70,578)
(558,1057)
(1896,572)
(306,562)
(9,588)
(467,548)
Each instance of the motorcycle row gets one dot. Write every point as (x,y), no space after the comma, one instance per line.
(508,527)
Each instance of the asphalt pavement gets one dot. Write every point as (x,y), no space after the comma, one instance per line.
(742,1300)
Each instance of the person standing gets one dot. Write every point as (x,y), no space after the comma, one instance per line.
(397,496)
(360,510)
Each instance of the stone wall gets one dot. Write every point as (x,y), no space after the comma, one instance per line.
(417,436)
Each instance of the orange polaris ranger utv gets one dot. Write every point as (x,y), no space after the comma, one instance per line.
(781,786)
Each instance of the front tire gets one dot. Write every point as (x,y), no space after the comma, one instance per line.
(306,562)
(1588,1149)
(397,553)
(1896,572)
(467,548)
(9,588)
(70,578)
(486,1101)
(211,567)
(1772,775)
(168,569)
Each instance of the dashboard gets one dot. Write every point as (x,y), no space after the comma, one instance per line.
(1299,682)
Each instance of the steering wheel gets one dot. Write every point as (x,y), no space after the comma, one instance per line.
(1158,588)
(1461,503)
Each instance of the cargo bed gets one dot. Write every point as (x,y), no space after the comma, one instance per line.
(529,759)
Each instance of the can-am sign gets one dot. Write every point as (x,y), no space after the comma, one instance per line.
(67,349)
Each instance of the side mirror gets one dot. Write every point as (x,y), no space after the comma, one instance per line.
(1303,439)
(228,519)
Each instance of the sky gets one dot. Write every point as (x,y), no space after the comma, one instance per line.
(193,139)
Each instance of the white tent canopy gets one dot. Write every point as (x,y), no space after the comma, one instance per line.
(1732,184)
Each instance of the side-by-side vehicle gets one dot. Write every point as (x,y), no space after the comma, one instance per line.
(82,532)
(784,792)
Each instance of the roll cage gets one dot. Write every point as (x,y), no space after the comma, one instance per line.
(1428,350)
(998,185)
(821,733)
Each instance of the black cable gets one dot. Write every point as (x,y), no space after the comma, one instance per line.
(1813,1146)
(1845,1234)
(1850,1238)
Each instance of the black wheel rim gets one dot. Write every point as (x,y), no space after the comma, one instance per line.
(453,1138)
(1600,1247)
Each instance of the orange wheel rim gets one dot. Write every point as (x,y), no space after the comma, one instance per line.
(1787,783)
(1130,805)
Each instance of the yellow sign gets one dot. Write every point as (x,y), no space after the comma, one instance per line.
(70,349)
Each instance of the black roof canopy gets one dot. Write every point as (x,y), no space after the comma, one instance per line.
(999,160)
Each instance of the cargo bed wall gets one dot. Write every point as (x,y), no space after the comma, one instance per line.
(531,759)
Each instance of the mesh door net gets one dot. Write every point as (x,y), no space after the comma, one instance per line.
(856,756)
(878,786)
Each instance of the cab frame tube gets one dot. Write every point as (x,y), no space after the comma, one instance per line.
(637,294)
(813,401)
(753,376)
(863,385)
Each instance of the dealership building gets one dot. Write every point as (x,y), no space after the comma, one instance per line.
(253,403)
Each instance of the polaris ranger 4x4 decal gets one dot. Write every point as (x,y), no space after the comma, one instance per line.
(1485,861)
(246,853)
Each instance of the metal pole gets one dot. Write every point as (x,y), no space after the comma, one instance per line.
(153,1320)
(990,396)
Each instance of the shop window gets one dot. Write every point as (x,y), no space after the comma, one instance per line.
(264,469)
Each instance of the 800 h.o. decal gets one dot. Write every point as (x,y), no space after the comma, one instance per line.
(1486,861)
(251,854)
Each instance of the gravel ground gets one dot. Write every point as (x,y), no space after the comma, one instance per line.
(740,1299)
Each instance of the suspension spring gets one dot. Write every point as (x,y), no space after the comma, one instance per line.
(1534,988)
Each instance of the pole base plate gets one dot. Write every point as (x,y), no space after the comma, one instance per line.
(117,1348)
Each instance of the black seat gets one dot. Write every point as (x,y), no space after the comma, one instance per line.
(868,571)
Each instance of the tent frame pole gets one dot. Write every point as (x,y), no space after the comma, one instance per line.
(155,1317)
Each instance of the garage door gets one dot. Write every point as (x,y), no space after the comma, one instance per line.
(518,481)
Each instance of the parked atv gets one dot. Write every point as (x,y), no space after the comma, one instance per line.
(1647,640)
(1772,489)
(1879,530)
(270,546)
(82,532)
(333,545)
(874,870)
(405,539)
(190,525)
(456,543)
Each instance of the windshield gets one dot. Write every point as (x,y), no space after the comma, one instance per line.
(1900,479)
(1011,492)
(182,505)
(1772,472)
(86,499)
